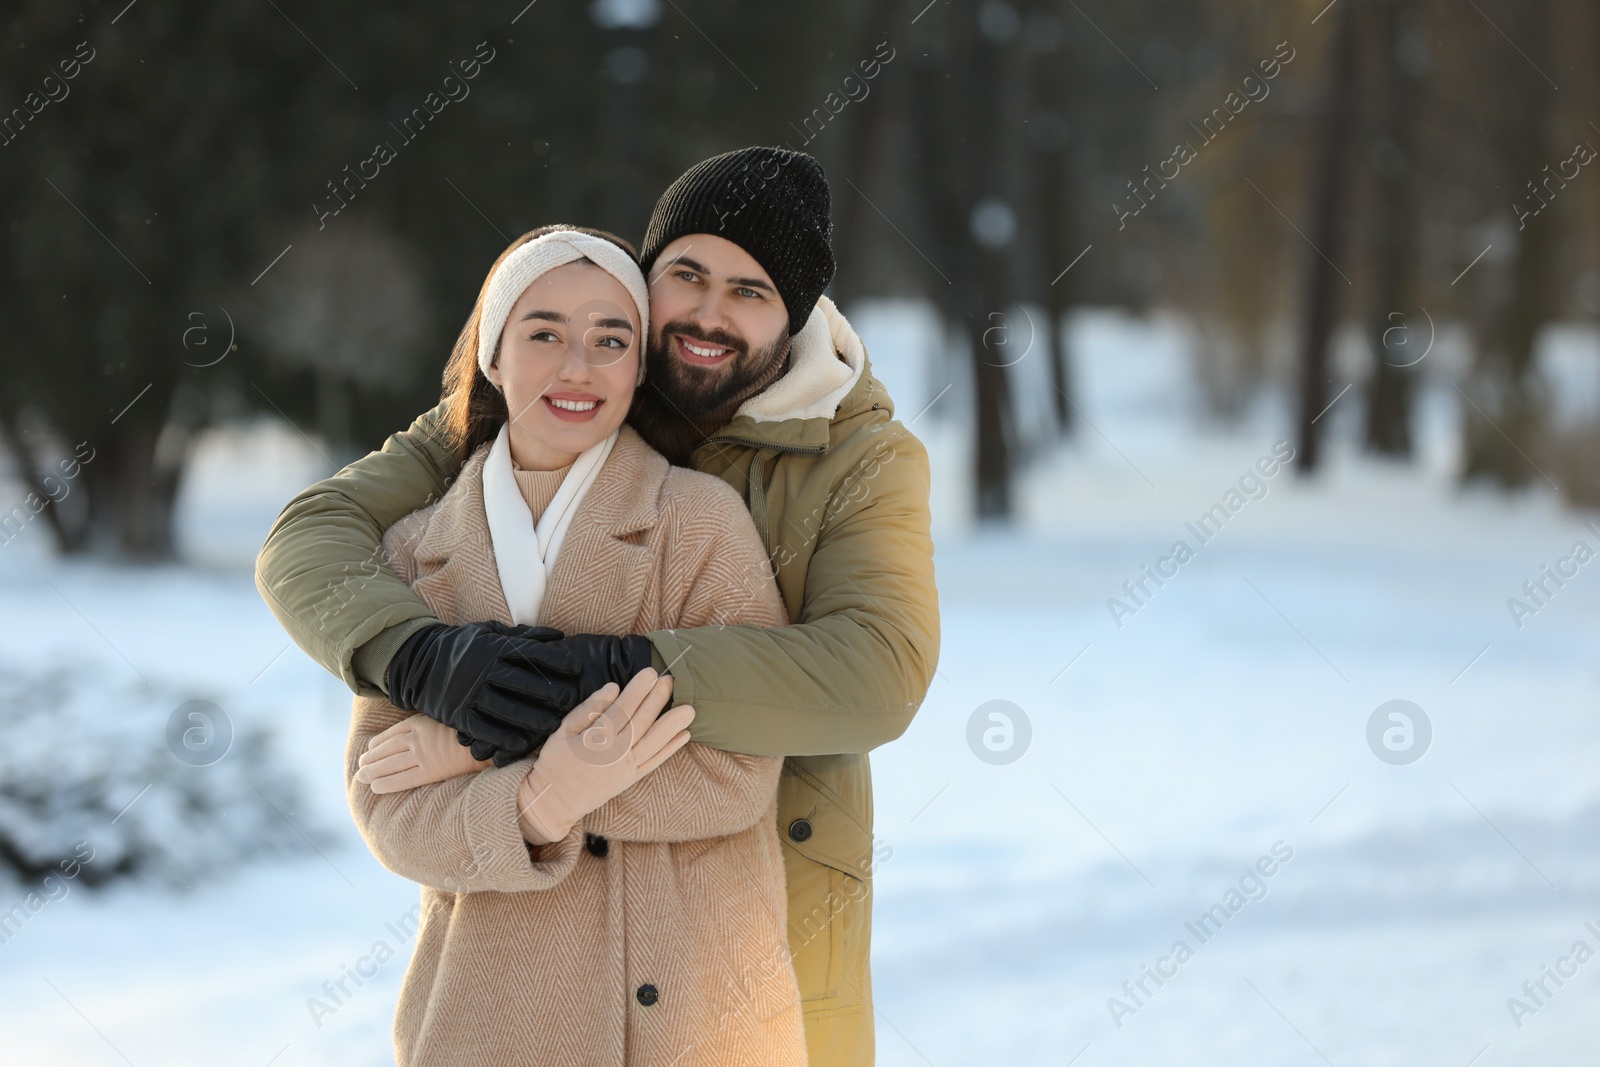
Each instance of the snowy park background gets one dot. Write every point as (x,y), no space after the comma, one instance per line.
(1224,719)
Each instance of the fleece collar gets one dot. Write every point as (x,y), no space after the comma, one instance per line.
(827,361)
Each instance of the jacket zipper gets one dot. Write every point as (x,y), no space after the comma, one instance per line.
(759,445)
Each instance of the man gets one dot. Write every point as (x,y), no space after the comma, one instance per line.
(737,253)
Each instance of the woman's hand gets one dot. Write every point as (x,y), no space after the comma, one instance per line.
(415,751)
(603,746)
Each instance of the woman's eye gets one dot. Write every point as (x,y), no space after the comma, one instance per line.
(543,335)
(611,342)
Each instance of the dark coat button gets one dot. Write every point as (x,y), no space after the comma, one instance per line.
(648,994)
(800,830)
(597,845)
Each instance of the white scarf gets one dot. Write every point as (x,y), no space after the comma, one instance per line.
(524,551)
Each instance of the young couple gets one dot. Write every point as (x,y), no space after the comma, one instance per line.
(654,576)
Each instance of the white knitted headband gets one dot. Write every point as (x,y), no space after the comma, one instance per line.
(519,270)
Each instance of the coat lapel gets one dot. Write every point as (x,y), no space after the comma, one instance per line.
(610,537)
(455,564)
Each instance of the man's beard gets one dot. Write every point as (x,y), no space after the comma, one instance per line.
(680,405)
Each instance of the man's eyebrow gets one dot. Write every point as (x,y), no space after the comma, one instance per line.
(685,261)
(540,313)
(753,283)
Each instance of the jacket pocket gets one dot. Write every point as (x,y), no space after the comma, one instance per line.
(828,863)
(832,833)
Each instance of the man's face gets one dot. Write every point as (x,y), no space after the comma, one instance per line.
(717,324)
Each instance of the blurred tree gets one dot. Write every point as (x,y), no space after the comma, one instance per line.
(1328,220)
(200,155)
(175,203)
(630,35)
(1229,247)
(1508,411)
(961,159)
(1402,50)
(123,202)
(350,315)
(1055,196)
(856,158)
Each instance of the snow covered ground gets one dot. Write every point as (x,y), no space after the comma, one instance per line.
(1212,723)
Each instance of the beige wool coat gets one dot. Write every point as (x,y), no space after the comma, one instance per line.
(654,933)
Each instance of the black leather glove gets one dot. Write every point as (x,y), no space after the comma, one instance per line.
(504,688)
(603,659)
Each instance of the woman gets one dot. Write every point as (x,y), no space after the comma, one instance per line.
(618,897)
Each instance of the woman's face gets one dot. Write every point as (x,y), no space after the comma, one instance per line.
(568,360)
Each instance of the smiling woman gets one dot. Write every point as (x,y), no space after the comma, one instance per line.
(566,362)
(596,536)
(562,365)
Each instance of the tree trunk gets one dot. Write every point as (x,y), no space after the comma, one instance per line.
(992,462)
(1327,225)
(1498,446)
(988,294)
(132,485)
(867,126)
(1058,237)
(1054,190)
(1500,439)
(33,477)
(1399,334)
(626,209)
(957,147)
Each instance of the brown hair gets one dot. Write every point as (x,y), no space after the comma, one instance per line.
(476,408)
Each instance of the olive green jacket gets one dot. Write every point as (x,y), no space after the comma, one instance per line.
(841,502)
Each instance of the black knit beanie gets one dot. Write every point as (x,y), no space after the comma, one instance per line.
(772,202)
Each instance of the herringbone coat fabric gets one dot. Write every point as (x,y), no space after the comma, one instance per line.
(550,955)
